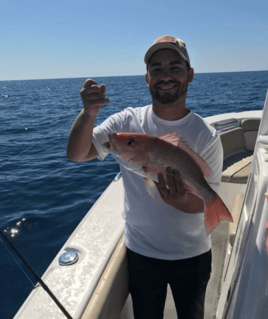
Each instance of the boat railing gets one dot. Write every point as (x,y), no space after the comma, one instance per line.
(244,286)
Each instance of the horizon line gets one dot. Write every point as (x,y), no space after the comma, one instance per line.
(109,76)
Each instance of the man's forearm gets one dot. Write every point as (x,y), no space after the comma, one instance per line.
(80,137)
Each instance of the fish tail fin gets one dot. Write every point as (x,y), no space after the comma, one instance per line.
(215,211)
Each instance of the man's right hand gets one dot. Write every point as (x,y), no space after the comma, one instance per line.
(93,96)
(80,147)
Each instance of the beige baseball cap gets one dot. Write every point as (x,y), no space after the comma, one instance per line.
(168,42)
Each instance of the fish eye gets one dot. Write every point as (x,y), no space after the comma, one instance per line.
(130,141)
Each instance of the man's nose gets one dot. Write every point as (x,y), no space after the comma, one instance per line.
(166,75)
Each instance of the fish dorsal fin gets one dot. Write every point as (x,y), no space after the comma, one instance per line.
(177,140)
(171,138)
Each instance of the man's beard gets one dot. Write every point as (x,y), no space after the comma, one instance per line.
(167,98)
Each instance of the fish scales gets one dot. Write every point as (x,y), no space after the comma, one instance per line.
(171,156)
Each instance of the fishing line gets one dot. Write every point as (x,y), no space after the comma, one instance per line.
(41,140)
(37,277)
(14,157)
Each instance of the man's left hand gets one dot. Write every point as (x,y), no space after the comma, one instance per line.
(174,193)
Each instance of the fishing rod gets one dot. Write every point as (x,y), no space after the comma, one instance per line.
(37,277)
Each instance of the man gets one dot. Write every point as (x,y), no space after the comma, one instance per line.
(165,237)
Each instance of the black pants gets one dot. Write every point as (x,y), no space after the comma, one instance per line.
(149,277)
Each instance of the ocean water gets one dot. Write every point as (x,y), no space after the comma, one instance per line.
(44,196)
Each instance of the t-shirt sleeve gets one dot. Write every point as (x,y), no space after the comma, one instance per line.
(213,155)
(111,125)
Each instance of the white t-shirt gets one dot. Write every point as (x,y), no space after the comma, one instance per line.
(153,228)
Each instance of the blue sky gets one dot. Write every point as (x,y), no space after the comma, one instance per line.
(62,38)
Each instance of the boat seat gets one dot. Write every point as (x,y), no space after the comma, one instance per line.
(250,128)
(111,292)
(238,172)
(242,138)
(239,142)
(233,141)
(235,212)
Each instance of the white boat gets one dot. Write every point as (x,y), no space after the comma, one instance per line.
(95,286)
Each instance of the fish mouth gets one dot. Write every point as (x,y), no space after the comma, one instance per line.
(113,148)
(106,145)
(111,145)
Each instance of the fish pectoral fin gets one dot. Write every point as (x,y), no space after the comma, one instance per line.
(150,186)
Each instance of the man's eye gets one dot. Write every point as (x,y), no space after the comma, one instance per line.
(130,142)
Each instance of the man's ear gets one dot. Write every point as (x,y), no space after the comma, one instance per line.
(147,79)
(190,75)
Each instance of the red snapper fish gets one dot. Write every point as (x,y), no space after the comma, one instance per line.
(149,155)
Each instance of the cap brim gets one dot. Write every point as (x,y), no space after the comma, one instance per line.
(160,46)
